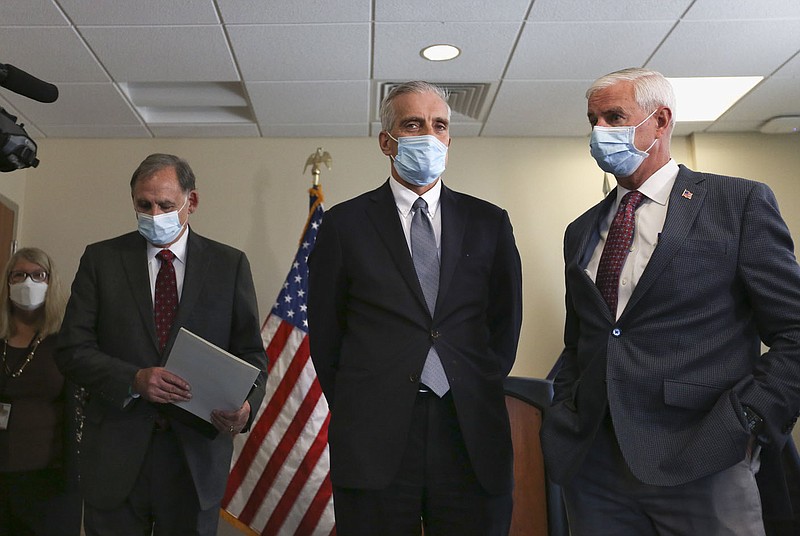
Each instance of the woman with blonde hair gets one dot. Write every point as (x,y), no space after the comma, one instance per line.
(37,409)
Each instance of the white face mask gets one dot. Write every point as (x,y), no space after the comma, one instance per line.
(28,295)
(162,229)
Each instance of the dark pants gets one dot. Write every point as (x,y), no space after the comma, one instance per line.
(604,498)
(163,500)
(36,503)
(435,486)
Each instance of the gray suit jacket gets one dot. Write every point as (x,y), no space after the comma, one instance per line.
(370,331)
(684,356)
(109,333)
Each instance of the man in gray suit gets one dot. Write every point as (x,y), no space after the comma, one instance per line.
(143,467)
(663,400)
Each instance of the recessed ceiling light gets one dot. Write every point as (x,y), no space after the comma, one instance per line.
(707,98)
(440,52)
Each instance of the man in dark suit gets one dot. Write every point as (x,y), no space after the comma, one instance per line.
(142,467)
(664,400)
(411,352)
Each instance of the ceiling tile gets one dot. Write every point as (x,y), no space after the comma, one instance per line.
(31,13)
(51,54)
(212,130)
(97,131)
(791,69)
(684,128)
(296,11)
(607,10)
(79,104)
(580,50)
(140,12)
(163,53)
(450,10)
(302,52)
(715,10)
(308,103)
(735,126)
(485,48)
(348,130)
(738,48)
(530,108)
(771,98)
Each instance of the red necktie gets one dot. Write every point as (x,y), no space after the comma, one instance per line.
(618,244)
(166,300)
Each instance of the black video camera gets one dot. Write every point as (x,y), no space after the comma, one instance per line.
(17,149)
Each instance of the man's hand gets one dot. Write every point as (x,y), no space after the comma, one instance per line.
(231,422)
(157,384)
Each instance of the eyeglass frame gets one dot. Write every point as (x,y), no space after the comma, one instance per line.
(19,276)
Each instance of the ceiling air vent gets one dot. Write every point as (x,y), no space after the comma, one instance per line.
(465,99)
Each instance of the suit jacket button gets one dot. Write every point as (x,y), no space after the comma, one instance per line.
(434,334)
(616,332)
(413,378)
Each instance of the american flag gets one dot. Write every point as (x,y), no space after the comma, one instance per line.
(279,483)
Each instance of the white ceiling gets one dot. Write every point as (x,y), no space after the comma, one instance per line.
(315,67)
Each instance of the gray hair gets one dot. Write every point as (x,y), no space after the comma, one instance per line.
(387,112)
(158,161)
(650,88)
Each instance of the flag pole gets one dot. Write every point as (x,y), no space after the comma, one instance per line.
(279,481)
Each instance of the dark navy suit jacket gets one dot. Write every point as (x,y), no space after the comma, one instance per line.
(684,356)
(370,331)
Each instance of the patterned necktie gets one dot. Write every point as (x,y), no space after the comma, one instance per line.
(426,262)
(166,299)
(618,244)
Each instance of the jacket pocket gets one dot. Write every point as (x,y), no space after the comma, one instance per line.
(691,395)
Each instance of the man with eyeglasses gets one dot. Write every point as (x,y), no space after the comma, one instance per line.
(142,468)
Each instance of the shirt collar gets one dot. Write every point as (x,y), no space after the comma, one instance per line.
(178,248)
(658,186)
(404,198)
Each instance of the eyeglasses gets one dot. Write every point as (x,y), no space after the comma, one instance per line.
(39,276)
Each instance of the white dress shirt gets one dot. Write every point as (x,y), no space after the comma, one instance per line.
(404,199)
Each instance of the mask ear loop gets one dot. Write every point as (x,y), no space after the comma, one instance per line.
(647,151)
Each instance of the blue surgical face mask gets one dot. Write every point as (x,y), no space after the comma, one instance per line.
(420,160)
(614,150)
(162,229)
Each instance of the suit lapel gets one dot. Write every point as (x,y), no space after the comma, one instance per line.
(134,265)
(681,214)
(581,251)
(454,221)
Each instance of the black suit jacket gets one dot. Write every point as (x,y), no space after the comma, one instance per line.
(370,331)
(684,356)
(109,334)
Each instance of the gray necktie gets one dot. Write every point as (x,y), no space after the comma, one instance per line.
(426,262)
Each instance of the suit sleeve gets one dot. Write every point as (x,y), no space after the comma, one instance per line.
(79,357)
(245,334)
(567,373)
(771,276)
(326,305)
(504,314)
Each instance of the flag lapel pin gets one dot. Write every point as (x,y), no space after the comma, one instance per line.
(687,194)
